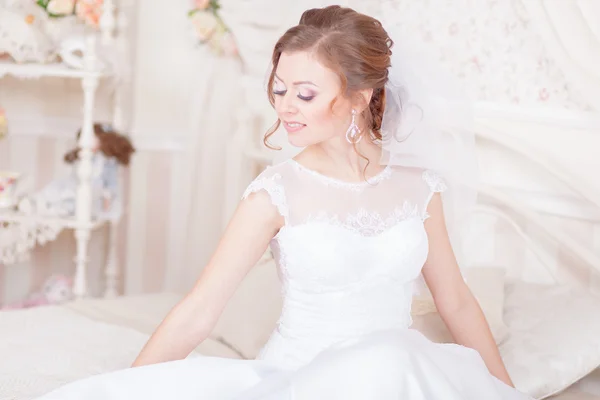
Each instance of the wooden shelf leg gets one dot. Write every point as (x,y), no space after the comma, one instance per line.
(84,171)
(82,238)
(111,271)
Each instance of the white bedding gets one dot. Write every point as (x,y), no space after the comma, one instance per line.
(45,347)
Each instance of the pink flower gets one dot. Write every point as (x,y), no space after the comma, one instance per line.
(201,4)
(89,11)
(205,24)
(544,94)
(61,7)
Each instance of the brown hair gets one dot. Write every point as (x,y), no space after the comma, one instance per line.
(353,45)
(112,144)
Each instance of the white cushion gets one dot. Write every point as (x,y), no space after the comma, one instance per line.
(486,284)
(214,347)
(251,314)
(554,336)
(552,339)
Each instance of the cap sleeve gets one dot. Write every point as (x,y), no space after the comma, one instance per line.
(436,184)
(270,182)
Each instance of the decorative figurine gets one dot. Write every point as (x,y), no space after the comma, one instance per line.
(110,151)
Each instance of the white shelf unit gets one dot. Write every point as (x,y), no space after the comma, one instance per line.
(65,222)
(55,70)
(82,222)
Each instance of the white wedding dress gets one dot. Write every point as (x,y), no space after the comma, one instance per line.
(348,256)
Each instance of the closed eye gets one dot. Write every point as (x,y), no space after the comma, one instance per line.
(283,92)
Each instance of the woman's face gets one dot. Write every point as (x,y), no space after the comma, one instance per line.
(304,90)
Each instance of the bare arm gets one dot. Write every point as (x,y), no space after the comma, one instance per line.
(456,304)
(245,240)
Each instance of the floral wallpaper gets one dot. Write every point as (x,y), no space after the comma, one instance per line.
(491,44)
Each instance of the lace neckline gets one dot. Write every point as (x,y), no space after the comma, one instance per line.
(380,176)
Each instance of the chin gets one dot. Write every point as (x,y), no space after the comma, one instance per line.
(298,140)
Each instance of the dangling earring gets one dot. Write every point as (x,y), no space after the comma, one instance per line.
(353,133)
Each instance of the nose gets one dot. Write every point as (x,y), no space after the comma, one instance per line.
(286,105)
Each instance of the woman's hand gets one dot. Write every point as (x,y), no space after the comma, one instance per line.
(245,240)
(454,301)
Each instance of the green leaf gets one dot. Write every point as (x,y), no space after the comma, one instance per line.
(44,5)
(214,4)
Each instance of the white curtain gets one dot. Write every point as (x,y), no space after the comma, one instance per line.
(214,103)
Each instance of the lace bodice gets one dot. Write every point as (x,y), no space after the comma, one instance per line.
(348,253)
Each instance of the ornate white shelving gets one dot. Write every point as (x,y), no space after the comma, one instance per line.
(65,222)
(34,71)
(21,231)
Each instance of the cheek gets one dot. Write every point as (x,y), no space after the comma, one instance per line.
(319,113)
(323,121)
(327,117)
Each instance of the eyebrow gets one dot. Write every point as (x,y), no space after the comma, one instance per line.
(298,82)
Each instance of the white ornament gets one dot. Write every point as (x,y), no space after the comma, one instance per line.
(22,37)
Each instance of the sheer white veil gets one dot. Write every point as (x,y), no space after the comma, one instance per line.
(428,124)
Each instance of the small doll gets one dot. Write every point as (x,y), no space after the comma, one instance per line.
(110,151)
(57,289)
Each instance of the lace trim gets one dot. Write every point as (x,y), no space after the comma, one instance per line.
(369,223)
(434,181)
(337,183)
(275,191)
(436,185)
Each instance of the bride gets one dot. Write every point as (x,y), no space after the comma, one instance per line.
(353,224)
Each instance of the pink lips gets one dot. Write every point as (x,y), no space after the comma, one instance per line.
(292,126)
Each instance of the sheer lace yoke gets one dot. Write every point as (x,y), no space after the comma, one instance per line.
(303,196)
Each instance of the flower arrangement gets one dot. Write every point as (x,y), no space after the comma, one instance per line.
(88,11)
(210,28)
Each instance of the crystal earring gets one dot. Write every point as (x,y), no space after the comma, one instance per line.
(353,133)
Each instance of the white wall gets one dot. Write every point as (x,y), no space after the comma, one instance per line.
(168,62)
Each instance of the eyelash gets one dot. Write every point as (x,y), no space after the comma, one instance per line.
(283,92)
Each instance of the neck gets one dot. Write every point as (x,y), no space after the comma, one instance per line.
(336,157)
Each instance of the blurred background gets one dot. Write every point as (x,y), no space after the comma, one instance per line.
(187,86)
